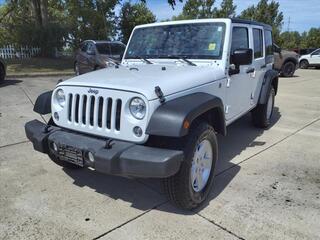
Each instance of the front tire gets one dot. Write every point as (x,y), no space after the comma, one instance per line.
(304,64)
(288,69)
(188,188)
(262,114)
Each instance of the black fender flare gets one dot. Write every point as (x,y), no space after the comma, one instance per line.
(173,118)
(43,103)
(270,79)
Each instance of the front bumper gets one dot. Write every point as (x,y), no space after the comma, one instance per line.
(118,158)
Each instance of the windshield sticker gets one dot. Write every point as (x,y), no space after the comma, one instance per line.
(212,47)
(219,29)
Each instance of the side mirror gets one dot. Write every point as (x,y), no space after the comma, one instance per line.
(276,48)
(242,56)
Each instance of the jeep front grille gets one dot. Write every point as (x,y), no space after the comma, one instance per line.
(95,111)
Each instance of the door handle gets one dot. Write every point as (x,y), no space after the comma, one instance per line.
(250,70)
(263,66)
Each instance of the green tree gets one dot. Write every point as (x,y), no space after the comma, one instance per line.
(266,12)
(227,9)
(195,9)
(90,19)
(290,40)
(132,15)
(313,38)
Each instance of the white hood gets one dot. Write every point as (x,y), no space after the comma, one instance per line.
(144,78)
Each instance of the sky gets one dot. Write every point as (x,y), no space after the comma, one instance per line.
(303,14)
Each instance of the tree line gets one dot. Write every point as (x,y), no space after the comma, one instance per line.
(53,24)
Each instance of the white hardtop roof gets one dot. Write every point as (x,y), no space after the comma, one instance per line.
(225,20)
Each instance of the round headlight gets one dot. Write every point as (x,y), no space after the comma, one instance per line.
(137,108)
(61,98)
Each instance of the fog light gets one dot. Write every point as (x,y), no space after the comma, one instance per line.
(55,147)
(56,116)
(90,157)
(137,131)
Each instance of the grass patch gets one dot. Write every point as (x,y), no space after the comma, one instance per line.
(39,65)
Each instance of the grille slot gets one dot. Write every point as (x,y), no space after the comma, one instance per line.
(95,111)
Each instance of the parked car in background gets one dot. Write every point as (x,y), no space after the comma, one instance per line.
(304,51)
(310,60)
(2,70)
(286,62)
(94,55)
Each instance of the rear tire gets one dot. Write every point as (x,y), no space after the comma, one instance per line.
(288,69)
(304,64)
(188,188)
(262,114)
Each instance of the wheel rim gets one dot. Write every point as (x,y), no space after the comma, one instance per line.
(201,165)
(270,106)
(304,64)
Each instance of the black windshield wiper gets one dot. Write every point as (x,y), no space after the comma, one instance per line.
(187,61)
(183,59)
(143,59)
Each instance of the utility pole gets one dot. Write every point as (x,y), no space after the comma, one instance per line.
(289,21)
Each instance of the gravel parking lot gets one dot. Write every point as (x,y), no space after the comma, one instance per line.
(267,183)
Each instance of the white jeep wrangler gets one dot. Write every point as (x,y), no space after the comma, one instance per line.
(156,115)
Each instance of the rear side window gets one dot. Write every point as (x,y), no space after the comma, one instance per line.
(257,43)
(269,44)
(240,38)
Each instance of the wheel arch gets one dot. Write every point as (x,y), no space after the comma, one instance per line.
(290,59)
(271,79)
(303,59)
(174,118)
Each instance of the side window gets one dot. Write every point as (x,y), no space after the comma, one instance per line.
(257,43)
(269,46)
(240,38)
(316,52)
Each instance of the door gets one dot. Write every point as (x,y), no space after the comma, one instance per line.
(259,63)
(239,86)
(315,58)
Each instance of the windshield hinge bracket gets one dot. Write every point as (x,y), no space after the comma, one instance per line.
(159,94)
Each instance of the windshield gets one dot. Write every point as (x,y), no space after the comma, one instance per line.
(194,41)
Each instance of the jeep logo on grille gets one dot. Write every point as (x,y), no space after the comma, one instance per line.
(94,91)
